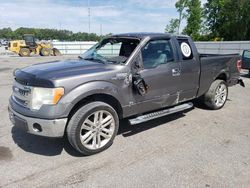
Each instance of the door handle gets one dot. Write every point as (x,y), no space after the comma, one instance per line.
(176,72)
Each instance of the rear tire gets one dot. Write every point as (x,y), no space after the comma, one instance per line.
(24,52)
(92,128)
(45,52)
(216,97)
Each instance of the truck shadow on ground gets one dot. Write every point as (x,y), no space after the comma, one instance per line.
(200,105)
(127,130)
(36,144)
(52,147)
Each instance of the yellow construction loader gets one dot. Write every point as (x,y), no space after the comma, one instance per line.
(29,45)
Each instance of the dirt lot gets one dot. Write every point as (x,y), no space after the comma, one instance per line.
(200,148)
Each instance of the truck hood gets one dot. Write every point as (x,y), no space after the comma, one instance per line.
(57,69)
(43,73)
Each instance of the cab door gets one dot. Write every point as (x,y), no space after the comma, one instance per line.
(189,68)
(161,74)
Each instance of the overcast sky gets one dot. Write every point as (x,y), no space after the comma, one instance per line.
(115,16)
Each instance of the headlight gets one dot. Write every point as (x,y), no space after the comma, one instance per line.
(42,96)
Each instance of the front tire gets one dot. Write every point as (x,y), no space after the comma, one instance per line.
(45,52)
(216,97)
(93,128)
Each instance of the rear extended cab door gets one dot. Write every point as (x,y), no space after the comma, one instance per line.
(188,59)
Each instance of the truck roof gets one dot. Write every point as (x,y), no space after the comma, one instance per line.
(142,35)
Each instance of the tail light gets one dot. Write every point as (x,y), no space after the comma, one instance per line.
(239,63)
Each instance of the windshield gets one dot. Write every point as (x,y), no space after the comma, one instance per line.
(111,50)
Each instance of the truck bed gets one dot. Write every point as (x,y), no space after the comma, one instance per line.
(213,64)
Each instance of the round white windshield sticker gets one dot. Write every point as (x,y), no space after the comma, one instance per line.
(185,49)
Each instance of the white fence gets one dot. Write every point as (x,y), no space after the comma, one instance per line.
(73,48)
(225,47)
(76,48)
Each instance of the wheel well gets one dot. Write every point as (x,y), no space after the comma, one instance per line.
(112,101)
(222,76)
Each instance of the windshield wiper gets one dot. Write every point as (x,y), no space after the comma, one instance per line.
(96,60)
(116,62)
(112,61)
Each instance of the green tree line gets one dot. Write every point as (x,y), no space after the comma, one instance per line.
(215,20)
(48,34)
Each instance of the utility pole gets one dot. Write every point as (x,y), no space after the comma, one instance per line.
(60,25)
(89,15)
(101,29)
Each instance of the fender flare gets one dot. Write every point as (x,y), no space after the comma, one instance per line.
(222,72)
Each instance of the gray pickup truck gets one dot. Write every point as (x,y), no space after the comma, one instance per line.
(139,76)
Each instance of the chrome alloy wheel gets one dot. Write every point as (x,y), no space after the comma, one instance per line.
(97,129)
(221,95)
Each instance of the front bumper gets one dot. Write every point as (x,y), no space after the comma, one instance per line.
(36,126)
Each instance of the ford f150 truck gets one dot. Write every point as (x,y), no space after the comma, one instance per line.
(139,76)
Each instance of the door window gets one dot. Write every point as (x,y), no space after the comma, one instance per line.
(157,52)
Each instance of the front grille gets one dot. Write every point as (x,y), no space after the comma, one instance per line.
(22,82)
(22,102)
(22,94)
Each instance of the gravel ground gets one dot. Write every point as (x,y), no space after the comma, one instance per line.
(199,148)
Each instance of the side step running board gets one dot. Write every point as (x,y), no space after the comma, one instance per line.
(154,115)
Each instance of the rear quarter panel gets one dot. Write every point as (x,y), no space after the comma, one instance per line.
(214,66)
